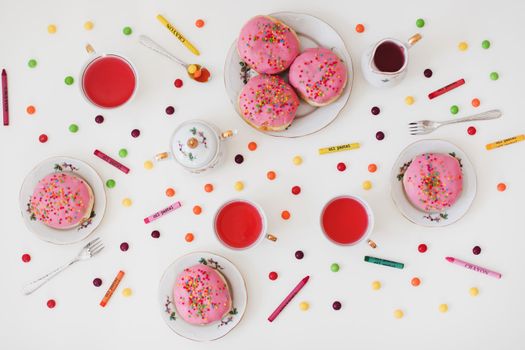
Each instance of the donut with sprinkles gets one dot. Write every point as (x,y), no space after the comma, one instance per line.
(267,45)
(433,182)
(319,76)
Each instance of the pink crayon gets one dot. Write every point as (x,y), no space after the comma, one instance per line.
(474,267)
(111,161)
(288,298)
(162,212)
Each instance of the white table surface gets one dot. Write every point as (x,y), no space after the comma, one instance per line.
(491,320)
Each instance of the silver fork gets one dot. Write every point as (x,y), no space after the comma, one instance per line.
(88,251)
(427,126)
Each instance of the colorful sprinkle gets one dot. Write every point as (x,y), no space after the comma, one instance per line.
(471,130)
(271,175)
(297,160)
(148,165)
(428,73)
(32,63)
(124,246)
(73,128)
(443,308)
(375,110)
(26,258)
(473,291)
(501,187)
(296,190)
(69,80)
(303,305)
(135,133)
(372,168)
(199,23)
(189,237)
(299,254)
(155,234)
(415,281)
(127,30)
(239,186)
(99,119)
(127,202)
(51,303)
(475,102)
(462,46)
(376,285)
(252,146)
(285,214)
(367,185)
(476,250)
(170,192)
(420,22)
(197,210)
(398,314)
(97,282)
(239,159)
(273,275)
(341,166)
(30,109)
(110,183)
(170,110)
(88,25)
(409,100)
(336,305)
(43,138)
(208,188)
(123,153)
(178,83)
(334,267)
(454,109)
(485,44)
(51,29)
(360,28)
(494,75)
(127,292)
(422,248)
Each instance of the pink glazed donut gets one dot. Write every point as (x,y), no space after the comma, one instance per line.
(62,201)
(433,182)
(267,102)
(319,76)
(267,45)
(201,295)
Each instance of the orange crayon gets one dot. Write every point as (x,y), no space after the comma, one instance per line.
(112,288)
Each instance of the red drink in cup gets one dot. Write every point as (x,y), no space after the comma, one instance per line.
(109,81)
(240,224)
(346,220)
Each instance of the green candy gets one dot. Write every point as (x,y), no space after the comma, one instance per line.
(69,80)
(494,76)
(32,63)
(123,153)
(110,183)
(420,23)
(454,109)
(485,44)
(73,128)
(127,30)
(334,267)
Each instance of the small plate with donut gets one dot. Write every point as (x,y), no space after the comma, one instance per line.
(306,68)
(433,183)
(62,200)
(202,296)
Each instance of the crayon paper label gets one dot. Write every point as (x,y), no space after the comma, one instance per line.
(505,142)
(339,148)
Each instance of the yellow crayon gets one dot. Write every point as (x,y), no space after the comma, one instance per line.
(339,148)
(505,142)
(178,35)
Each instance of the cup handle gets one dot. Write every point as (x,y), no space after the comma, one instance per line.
(227,134)
(90,50)
(414,39)
(271,237)
(162,156)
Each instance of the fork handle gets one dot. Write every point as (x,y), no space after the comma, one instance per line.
(492,114)
(30,287)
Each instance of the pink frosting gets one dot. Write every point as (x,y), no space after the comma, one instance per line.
(267,45)
(268,102)
(62,200)
(433,182)
(201,295)
(319,76)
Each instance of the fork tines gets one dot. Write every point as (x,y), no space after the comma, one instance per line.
(95,246)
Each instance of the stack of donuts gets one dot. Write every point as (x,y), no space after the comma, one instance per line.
(270,47)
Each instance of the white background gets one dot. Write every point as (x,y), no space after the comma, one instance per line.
(495,222)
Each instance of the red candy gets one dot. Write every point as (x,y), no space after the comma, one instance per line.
(341,166)
(26,258)
(471,130)
(42,138)
(51,303)
(273,275)
(178,83)
(422,248)
(296,190)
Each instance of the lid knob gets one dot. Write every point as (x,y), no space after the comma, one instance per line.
(192,142)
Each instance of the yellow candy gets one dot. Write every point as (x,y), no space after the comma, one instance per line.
(303,305)
(51,29)
(398,313)
(127,292)
(148,165)
(367,185)
(473,291)
(297,160)
(239,186)
(462,46)
(88,25)
(192,68)
(376,285)
(127,202)
(443,308)
(409,100)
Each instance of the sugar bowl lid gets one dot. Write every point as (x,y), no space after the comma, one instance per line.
(195,144)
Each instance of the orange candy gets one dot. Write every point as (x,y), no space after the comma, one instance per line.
(208,188)
(199,23)
(197,210)
(271,175)
(285,214)
(189,237)
(252,146)
(170,192)
(359,28)
(372,168)
(415,281)
(30,109)
(475,102)
(502,187)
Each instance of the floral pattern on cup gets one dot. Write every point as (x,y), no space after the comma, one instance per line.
(202,140)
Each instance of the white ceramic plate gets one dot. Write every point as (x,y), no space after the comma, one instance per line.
(312,32)
(63,164)
(210,331)
(454,213)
